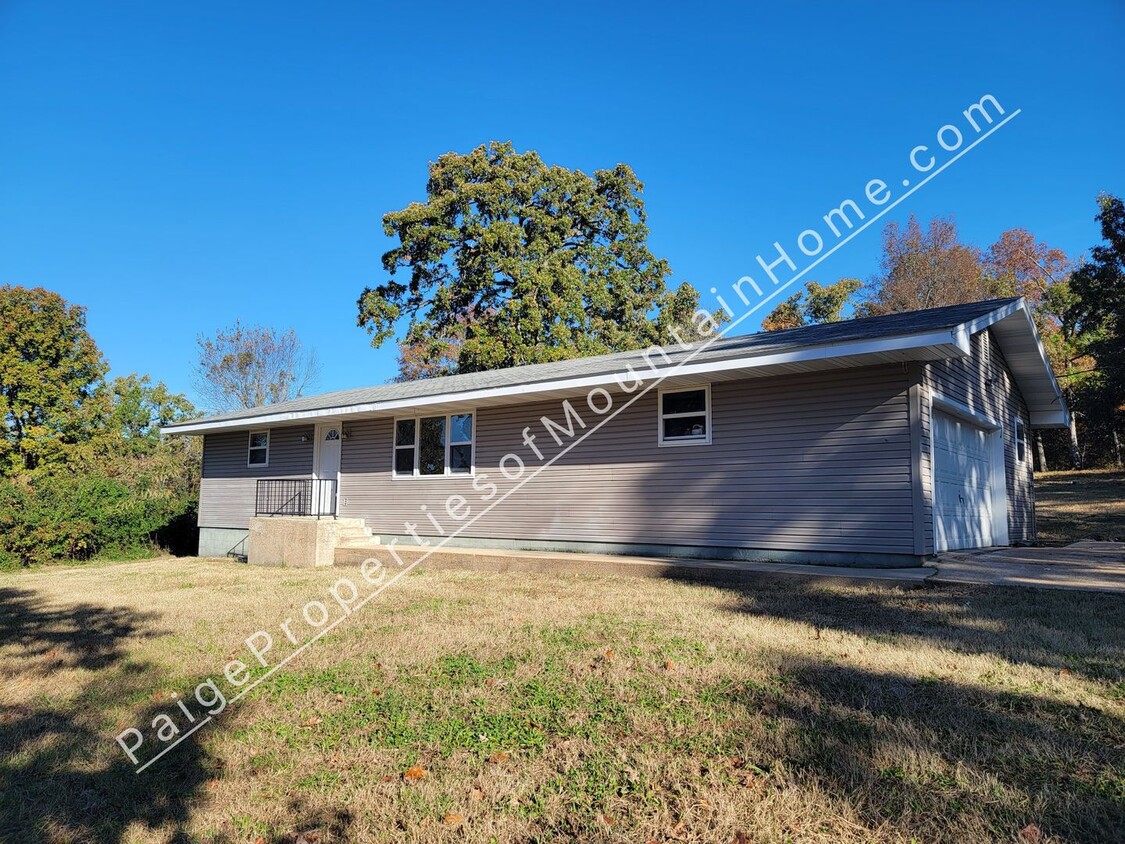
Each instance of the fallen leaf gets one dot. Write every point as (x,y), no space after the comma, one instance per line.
(453,819)
(608,821)
(388,778)
(1031,833)
(476,795)
(608,654)
(491,681)
(1065,672)
(669,665)
(312,722)
(499,756)
(740,838)
(376,692)
(339,698)
(414,773)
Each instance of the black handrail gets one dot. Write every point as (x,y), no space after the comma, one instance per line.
(295,497)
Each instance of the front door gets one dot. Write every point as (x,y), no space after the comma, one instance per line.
(328,439)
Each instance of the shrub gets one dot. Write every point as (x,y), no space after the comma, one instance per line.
(61,516)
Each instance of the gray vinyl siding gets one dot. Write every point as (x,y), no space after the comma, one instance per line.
(226,490)
(964,380)
(820,461)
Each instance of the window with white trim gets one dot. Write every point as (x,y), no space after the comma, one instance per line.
(434,445)
(258,449)
(685,416)
(1021,441)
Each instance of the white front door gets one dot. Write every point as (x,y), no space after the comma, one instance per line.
(963,494)
(328,439)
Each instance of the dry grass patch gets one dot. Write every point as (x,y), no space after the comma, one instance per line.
(477,707)
(1070,506)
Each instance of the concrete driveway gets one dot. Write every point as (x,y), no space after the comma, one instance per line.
(1092,566)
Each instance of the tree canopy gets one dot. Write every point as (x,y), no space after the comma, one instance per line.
(815,305)
(512,261)
(50,370)
(245,366)
(1098,305)
(926,268)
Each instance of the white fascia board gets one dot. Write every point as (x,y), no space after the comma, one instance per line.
(982,322)
(1050,372)
(1021,305)
(938,344)
(1050,419)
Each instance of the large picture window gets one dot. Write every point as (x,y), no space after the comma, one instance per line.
(434,445)
(685,416)
(258,449)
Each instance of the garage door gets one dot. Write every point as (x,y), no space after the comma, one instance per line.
(962,484)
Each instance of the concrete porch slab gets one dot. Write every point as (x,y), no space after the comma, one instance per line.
(713,571)
(1088,565)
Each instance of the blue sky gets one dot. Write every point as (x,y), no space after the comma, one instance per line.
(175,166)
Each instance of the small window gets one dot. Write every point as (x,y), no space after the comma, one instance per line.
(405,446)
(258,452)
(431,446)
(434,445)
(1021,441)
(461,443)
(685,416)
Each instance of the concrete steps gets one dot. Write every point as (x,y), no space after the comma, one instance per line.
(353,535)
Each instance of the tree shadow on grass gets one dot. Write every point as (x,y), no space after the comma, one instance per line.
(986,756)
(62,775)
(937,757)
(1081,632)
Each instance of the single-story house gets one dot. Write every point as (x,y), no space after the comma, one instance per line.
(876,441)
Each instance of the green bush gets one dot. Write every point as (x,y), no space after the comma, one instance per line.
(76,517)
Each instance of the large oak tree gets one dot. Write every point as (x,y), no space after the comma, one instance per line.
(513,261)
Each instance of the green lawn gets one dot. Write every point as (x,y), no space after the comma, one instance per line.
(482,707)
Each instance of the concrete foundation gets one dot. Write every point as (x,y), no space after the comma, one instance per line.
(218,542)
(687,552)
(299,541)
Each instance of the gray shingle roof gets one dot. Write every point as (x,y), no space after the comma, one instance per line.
(749,345)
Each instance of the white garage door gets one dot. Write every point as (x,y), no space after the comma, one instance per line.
(962,484)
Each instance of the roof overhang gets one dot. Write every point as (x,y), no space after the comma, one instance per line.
(1012,325)
(1015,333)
(922,346)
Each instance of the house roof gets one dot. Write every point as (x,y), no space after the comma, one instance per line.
(936,333)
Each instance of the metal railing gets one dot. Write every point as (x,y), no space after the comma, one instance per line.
(295,497)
